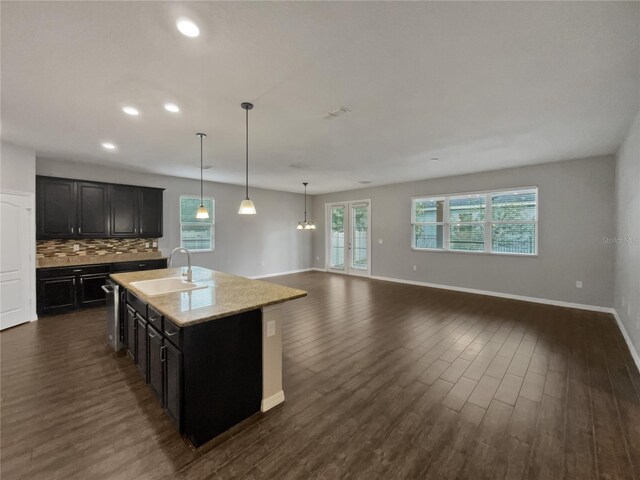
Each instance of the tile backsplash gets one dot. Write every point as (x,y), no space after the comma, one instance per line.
(93,246)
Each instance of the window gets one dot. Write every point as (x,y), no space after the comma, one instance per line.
(503,222)
(196,234)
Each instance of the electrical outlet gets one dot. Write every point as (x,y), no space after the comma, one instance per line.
(76,247)
(578,283)
(415,268)
(146,245)
(271,328)
(155,244)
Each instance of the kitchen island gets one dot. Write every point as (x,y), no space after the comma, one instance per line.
(212,354)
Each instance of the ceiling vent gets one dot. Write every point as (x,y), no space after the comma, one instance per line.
(298,165)
(336,113)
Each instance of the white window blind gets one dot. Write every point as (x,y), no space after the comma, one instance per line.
(500,222)
(197,234)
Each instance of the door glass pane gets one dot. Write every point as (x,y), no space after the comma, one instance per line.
(360,237)
(336,240)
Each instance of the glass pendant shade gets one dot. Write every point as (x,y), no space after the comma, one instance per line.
(299,227)
(247,207)
(202,212)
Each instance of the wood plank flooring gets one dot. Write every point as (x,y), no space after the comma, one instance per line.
(382,380)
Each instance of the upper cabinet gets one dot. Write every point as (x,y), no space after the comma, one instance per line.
(75,209)
(151,212)
(93,212)
(56,208)
(125,211)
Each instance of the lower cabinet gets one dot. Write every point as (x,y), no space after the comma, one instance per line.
(207,377)
(90,293)
(141,345)
(56,294)
(156,363)
(130,329)
(172,382)
(61,289)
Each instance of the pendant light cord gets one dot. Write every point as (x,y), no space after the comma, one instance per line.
(247,155)
(201,174)
(305,203)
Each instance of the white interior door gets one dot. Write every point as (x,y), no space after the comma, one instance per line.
(348,237)
(15,260)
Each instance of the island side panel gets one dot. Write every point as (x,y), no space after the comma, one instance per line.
(222,371)
(272,393)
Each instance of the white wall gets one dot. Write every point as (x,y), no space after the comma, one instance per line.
(17,168)
(247,245)
(576,210)
(627,246)
(17,175)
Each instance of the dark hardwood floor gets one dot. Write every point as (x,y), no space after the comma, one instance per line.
(382,380)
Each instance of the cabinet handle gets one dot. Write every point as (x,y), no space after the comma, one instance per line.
(169,334)
(72,228)
(163,354)
(152,335)
(142,264)
(78,270)
(81,281)
(79,229)
(74,282)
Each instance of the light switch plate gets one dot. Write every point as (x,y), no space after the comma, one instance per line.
(578,283)
(271,328)
(155,244)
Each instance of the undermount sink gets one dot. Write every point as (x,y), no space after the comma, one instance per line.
(161,286)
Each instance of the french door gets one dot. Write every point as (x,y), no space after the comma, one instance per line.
(349,237)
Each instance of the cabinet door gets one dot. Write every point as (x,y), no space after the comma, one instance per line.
(156,362)
(125,211)
(93,210)
(141,346)
(56,294)
(131,328)
(150,212)
(56,208)
(173,383)
(90,293)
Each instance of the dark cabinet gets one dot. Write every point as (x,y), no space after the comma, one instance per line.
(90,289)
(150,212)
(56,208)
(141,345)
(125,211)
(56,294)
(93,212)
(156,363)
(69,208)
(131,328)
(172,382)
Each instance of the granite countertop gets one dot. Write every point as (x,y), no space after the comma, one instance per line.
(76,260)
(223,294)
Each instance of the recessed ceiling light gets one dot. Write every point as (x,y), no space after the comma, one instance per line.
(108,146)
(298,165)
(434,159)
(365,182)
(171,107)
(187,27)
(129,110)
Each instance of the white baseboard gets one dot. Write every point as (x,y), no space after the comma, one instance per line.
(546,301)
(627,338)
(272,401)
(277,274)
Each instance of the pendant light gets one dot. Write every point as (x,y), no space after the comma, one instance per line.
(202,210)
(305,225)
(247,207)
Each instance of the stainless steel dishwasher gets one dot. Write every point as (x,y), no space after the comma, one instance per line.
(112,290)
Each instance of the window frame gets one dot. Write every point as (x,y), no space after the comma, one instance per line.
(488,221)
(212,215)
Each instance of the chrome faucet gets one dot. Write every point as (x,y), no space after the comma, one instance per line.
(188,273)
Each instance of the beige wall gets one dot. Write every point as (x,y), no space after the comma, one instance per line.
(627,246)
(576,210)
(17,168)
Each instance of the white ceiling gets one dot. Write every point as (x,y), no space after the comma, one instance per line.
(480,85)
